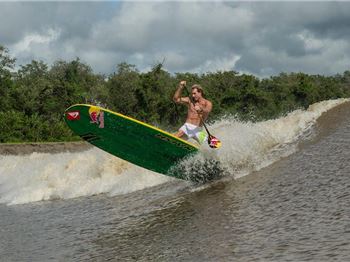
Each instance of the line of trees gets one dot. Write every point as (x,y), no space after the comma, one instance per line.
(34,96)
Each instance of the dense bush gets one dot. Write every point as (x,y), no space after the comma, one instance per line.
(33,98)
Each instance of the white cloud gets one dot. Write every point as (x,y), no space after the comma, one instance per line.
(311,43)
(35,46)
(35,39)
(259,38)
(218,64)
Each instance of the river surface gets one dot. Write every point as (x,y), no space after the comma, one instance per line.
(282,199)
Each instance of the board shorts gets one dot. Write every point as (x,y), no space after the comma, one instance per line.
(195,132)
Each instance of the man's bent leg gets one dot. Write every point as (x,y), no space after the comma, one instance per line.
(179,133)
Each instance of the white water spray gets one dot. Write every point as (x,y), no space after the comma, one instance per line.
(246,147)
(41,176)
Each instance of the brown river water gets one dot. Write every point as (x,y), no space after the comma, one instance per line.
(285,196)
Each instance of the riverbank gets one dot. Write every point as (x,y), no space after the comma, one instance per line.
(45,147)
(326,124)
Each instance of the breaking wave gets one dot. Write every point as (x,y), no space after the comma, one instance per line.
(246,147)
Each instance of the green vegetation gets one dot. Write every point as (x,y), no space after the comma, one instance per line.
(34,97)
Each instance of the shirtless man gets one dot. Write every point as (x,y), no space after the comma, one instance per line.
(198,111)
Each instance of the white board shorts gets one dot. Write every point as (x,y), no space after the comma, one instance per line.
(195,132)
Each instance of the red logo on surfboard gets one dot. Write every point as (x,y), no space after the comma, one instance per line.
(73,115)
(97,116)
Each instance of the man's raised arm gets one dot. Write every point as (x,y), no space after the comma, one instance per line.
(177,96)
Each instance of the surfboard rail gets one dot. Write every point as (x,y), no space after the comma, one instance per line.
(128,138)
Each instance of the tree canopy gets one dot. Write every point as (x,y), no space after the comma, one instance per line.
(33,97)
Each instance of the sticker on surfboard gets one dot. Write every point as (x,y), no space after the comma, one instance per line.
(73,115)
(97,116)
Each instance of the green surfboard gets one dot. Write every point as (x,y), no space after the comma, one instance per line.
(129,139)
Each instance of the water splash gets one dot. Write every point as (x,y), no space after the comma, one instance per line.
(246,147)
(41,176)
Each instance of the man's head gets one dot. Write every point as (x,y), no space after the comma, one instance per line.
(197,92)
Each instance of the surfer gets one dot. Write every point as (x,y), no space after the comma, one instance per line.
(198,111)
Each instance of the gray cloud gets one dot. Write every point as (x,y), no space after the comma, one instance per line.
(259,38)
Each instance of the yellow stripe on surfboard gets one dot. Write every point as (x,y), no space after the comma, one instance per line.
(138,122)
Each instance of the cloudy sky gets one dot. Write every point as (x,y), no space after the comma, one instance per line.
(252,37)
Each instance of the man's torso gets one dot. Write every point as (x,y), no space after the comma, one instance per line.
(193,117)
